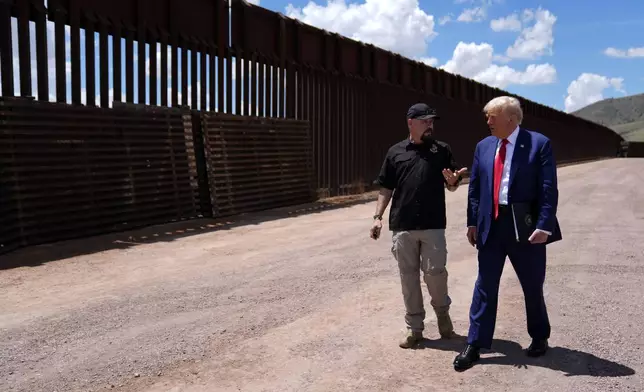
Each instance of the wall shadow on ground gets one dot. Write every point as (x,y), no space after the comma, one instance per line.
(41,254)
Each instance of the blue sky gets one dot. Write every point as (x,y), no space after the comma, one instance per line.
(563,54)
(569,42)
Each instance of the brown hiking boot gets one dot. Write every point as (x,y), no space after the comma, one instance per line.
(411,339)
(445,327)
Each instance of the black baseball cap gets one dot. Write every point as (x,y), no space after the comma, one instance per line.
(421,111)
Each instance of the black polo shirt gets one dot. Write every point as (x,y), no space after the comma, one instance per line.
(415,173)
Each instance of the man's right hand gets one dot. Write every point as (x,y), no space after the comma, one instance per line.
(471,235)
(374,233)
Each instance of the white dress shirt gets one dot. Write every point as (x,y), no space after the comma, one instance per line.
(505,176)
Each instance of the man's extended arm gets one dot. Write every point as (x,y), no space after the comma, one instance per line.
(549,194)
(454,167)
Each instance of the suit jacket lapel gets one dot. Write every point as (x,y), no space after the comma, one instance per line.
(517,156)
(490,156)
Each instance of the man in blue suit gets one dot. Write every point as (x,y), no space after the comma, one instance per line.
(511,212)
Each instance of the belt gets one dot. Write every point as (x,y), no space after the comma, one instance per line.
(503,208)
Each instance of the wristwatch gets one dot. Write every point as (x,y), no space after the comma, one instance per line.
(379,217)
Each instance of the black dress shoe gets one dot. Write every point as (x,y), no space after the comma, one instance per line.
(466,358)
(537,348)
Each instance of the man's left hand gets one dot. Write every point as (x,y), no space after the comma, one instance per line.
(452,177)
(538,237)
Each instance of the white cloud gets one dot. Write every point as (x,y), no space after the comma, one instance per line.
(509,23)
(475,61)
(431,61)
(256,2)
(588,88)
(475,14)
(445,19)
(535,40)
(631,52)
(399,26)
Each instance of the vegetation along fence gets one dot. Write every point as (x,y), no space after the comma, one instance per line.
(151,104)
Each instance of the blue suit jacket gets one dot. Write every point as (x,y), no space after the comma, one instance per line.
(533,179)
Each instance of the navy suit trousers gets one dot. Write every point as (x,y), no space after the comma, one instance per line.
(529,262)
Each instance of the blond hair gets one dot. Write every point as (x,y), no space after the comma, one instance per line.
(509,105)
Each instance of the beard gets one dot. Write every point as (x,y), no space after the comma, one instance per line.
(426,137)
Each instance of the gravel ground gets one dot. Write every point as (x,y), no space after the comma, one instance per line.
(310,303)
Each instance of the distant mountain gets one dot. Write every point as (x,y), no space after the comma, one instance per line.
(624,115)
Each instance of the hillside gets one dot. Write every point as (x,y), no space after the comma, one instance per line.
(624,115)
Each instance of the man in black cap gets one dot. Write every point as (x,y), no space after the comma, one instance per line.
(418,169)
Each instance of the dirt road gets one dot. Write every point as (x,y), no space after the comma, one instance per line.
(310,303)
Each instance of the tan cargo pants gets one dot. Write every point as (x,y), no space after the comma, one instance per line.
(426,251)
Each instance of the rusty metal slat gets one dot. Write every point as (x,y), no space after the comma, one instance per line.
(91,194)
(81,210)
(24,52)
(53,131)
(226,122)
(53,114)
(62,179)
(6,50)
(274,88)
(117,71)
(154,96)
(214,99)
(261,88)
(35,169)
(164,68)
(292,143)
(259,157)
(235,135)
(229,82)
(292,164)
(184,73)
(267,183)
(61,154)
(250,195)
(257,173)
(241,199)
(194,80)
(141,60)
(104,65)
(203,77)
(129,64)
(238,82)
(41,204)
(42,67)
(63,111)
(246,82)
(90,61)
(74,21)
(253,84)
(252,203)
(255,126)
(251,188)
(175,69)
(314,97)
(249,172)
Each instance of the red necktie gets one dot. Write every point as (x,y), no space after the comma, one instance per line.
(499,160)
